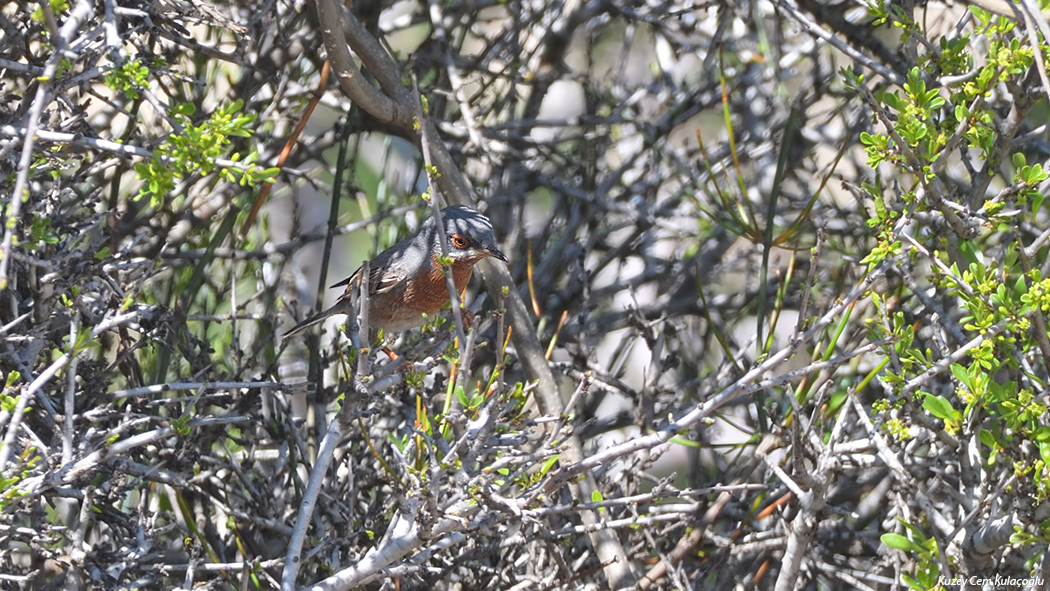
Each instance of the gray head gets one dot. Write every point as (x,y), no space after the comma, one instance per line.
(467,232)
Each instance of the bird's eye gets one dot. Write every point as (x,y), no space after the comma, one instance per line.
(458,241)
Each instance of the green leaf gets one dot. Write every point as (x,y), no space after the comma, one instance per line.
(900,542)
(987,438)
(962,375)
(939,407)
(1044,451)
(550,463)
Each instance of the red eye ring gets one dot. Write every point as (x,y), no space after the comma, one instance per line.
(458,241)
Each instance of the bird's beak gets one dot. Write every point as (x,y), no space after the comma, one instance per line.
(494,252)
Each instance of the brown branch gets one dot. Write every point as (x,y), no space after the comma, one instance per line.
(454,186)
(381,106)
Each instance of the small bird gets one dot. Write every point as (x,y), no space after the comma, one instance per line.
(406,280)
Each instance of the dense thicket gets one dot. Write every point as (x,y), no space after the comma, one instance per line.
(775,314)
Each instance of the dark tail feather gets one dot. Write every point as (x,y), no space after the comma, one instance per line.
(316,319)
(305,324)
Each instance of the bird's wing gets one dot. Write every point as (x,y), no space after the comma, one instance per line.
(379,281)
(383,281)
(390,267)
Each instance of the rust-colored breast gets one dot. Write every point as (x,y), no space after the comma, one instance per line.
(422,293)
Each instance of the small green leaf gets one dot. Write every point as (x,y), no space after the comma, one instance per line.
(900,542)
(962,375)
(987,438)
(550,463)
(939,407)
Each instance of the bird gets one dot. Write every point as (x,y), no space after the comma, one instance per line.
(407,281)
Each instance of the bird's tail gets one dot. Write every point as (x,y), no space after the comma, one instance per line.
(316,319)
(305,324)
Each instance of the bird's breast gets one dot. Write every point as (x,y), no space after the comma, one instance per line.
(424,293)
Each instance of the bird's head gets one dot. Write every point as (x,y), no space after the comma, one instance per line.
(468,234)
